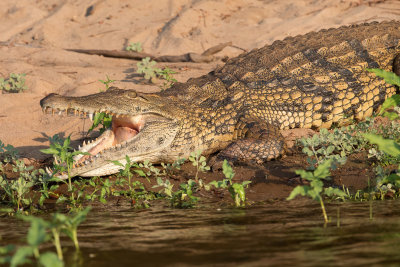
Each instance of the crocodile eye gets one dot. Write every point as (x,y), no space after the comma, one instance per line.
(132,93)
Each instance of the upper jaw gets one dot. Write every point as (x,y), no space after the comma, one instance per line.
(116,102)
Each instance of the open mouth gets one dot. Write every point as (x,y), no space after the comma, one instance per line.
(124,128)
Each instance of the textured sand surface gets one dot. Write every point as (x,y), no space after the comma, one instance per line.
(35,34)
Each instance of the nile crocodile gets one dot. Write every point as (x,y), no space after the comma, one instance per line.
(311,81)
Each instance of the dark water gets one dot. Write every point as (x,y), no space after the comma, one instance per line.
(276,234)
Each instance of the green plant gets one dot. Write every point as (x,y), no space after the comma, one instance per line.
(386,182)
(69,224)
(46,189)
(316,188)
(166,187)
(337,144)
(106,82)
(63,156)
(170,168)
(199,162)
(136,190)
(17,191)
(137,47)
(103,119)
(166,74)
(182,198)
(105,190)
(125,171)
(14,84)
(237,190)
(392,101)
(8,153)
(388,76)
(39,233)
(147,67)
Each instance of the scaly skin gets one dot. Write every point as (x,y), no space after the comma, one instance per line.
(310,81)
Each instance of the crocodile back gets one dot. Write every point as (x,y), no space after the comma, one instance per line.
(316,79)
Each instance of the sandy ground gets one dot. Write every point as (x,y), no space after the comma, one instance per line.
(35,33)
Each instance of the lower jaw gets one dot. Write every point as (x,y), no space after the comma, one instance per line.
(107,169)
(110,138)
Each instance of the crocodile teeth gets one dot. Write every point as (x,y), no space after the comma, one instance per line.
(49,172)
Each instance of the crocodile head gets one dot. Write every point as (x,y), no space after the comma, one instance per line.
(143,127)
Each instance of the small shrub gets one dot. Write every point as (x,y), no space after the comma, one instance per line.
(147,67)
(14,84)
(237,190)
(137,47)
(41,232)
(316,188)
(199,162)
(106,83)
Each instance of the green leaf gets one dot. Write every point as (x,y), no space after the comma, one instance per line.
(323,170)
(386,145)
(317,185)
(50,259)
(37,232)
(219,184)
(141,173)
(21,256)
(299,190)
(390,115)
(67,142)
(246,183)
(389,77)
(80,216)
(239,189)
(307,151)
(305,174)
(392,101)
(6,249)
(116,162)
(227,170)
(334,192)
(50,150)
(391,179)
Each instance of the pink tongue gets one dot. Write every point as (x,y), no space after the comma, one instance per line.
(123,134)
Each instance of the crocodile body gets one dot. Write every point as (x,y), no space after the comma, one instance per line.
(308,81)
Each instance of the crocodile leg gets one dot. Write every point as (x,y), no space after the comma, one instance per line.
(254,141)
